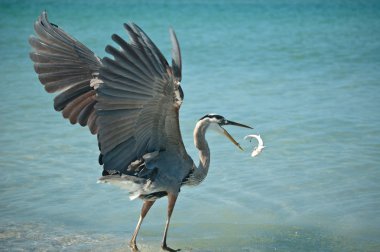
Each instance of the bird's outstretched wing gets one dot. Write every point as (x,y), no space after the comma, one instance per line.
(130,101)
(138,101)
(66,66)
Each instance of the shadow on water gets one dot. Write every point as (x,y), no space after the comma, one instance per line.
(213,237)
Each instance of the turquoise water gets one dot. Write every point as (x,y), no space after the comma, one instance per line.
(305,74)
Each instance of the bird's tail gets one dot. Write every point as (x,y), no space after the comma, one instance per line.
(132,184)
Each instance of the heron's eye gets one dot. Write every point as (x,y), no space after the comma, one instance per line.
(220,122)
(223,122)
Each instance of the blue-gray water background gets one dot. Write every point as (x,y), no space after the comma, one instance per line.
(305,74)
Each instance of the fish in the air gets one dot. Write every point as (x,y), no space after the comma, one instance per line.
(257,150)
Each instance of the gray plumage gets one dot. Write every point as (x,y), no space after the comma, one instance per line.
(131,100)
(66,66)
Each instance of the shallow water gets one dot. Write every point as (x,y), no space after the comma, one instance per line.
(304,74)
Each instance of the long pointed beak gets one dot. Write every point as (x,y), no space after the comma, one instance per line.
(225,132)
(228,122)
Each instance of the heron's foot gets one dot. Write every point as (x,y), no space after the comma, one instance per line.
(166,248)
(133,246)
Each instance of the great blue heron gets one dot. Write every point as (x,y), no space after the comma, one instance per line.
(132,103)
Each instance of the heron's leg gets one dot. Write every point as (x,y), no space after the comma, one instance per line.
(144,210)
(172,198)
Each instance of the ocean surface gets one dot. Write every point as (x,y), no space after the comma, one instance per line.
(305,74)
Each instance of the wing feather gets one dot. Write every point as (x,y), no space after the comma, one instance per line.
(118,83)
(85,113)
(128,58)
(66,66)
(92,122)
(113,160)
(75,107)
(176,56)
(42,57)
(64,98)
(130,66)
(119,135)
(121,70)
(129,99)
(117,116)
(137,49)
(160,63)
(134,101)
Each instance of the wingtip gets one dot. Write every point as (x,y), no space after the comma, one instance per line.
(176,55)
(171,31)
(127,25)
(42,19)
(43,15)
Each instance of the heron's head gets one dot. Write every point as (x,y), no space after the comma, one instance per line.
(216,122)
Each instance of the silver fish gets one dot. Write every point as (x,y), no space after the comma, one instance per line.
(257,150)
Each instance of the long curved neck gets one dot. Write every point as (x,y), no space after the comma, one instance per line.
(200,142)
